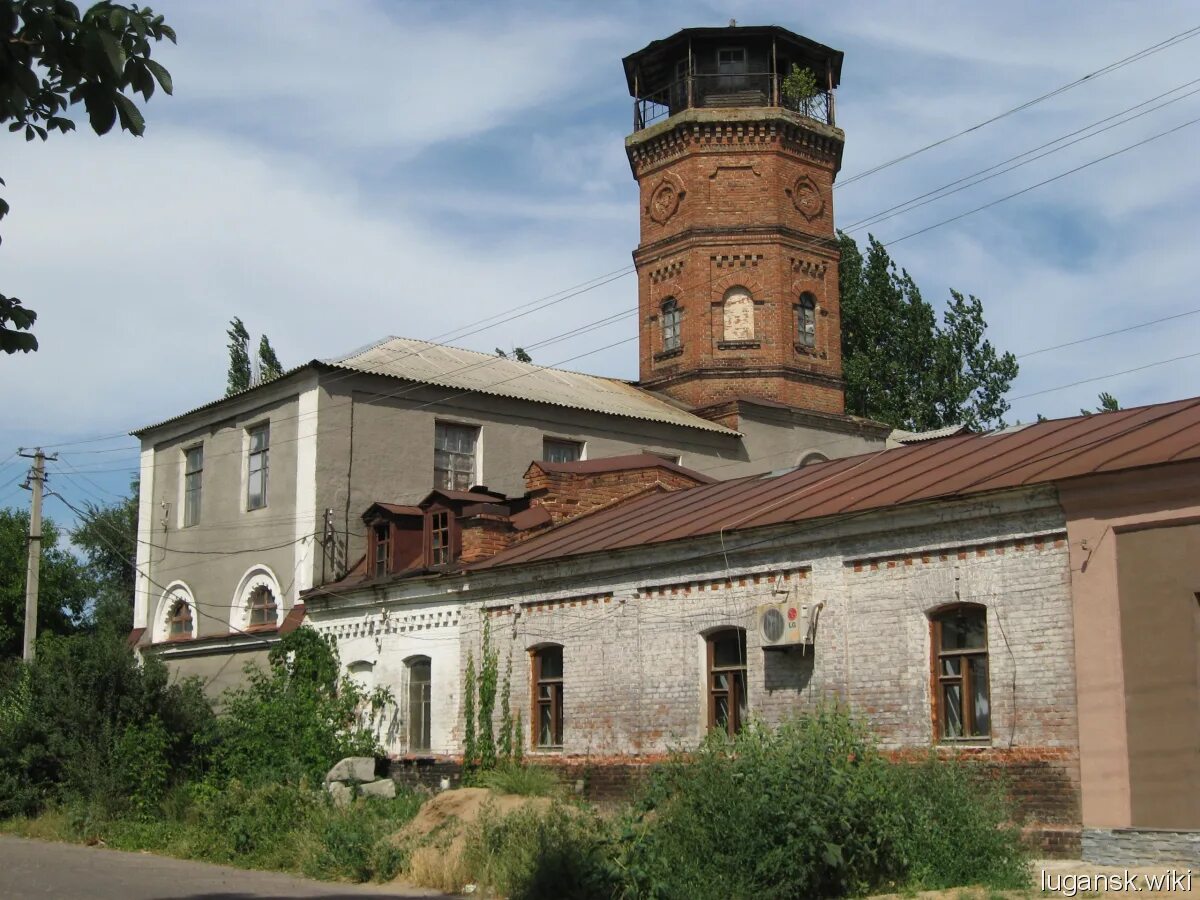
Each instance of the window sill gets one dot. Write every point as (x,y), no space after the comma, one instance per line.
(808,351)
(668,354)
(738,345)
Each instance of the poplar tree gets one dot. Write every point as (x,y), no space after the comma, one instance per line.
(269,366)
(904,368)
(239,357)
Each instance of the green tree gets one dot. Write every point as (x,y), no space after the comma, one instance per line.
(1108,403)
(107,535)
(268,363)
(52,57)
(64,586)
(904,368)
(238,378)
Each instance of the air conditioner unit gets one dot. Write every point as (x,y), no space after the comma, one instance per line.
(787,624)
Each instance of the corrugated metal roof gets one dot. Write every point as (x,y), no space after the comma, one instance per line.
(468,370)
(951,467)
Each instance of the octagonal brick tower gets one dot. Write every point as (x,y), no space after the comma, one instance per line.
(737,265)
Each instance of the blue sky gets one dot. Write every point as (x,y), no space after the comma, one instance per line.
(336,172)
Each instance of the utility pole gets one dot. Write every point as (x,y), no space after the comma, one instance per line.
(34,482)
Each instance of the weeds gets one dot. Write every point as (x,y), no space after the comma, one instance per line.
(528,781)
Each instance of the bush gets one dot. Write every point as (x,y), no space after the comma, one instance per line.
(811,809)
(560,852)
(72,719)
(294,721)
(528,781)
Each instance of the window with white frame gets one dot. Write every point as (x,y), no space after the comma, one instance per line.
(560,451)
(454,460)
(257,466)
(193,473)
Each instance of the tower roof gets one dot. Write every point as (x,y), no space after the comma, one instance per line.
(653,66)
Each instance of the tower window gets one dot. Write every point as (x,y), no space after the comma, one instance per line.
(382,539)
(671,315)
(261,608)
(961,674)
(256,466)
(180,620)
(731,61)
(806,321)
(193,475)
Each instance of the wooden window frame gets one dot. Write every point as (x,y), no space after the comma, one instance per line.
(806,314)
(964,679)
(554,702)
(381,539)
(258,461)
(441,522)
(733,723)
(270,611)
(181,612)
(193,485)
(448,478)
(426,705)
(548,442)
(670,323)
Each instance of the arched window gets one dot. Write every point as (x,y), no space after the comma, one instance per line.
(964,709)
(179,623)
(814,457)
(420,702)
(548,696)
(727,699)
(806,321)
(738,313)
(671,315)
(261,608)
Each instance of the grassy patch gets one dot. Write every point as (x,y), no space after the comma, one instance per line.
(527,781)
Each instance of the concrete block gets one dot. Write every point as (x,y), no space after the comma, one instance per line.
(353,768)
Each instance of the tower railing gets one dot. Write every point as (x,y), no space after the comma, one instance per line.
(723,91)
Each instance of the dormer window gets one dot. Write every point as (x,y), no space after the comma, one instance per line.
(381,540)
(439,538)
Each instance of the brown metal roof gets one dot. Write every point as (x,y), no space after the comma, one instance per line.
(619,464)
(952,467)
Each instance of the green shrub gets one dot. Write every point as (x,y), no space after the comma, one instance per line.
(294,721)
(75,712)
(528,781)
(811,809)
(560,853)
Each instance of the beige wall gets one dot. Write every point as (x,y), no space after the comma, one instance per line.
(1158,578)
(1097,509)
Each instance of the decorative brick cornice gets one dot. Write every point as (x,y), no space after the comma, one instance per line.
(1038,542)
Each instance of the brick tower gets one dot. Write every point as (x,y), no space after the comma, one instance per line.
(737,265)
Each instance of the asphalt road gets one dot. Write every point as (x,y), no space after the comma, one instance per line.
(35,869)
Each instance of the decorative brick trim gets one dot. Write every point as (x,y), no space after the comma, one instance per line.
(668,272)
(813,268)
(736,260)
(700,586)
(1038,542)
(668,354)
(738,345)
(537,606)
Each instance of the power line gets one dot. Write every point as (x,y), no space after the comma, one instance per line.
(1079,168)
(1096,337)
(1063,387)
(954,187)
(1111,67)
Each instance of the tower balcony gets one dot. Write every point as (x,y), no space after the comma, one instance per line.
(723,91)
(733,68)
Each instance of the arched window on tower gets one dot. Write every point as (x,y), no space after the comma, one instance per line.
(180,621)
(738,309)
(670,318)
(806,321)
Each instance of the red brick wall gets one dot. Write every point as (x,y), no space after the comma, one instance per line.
(734,220)
(484,536)
(568,494)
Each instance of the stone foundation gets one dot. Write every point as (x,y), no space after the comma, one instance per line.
(1141,847)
